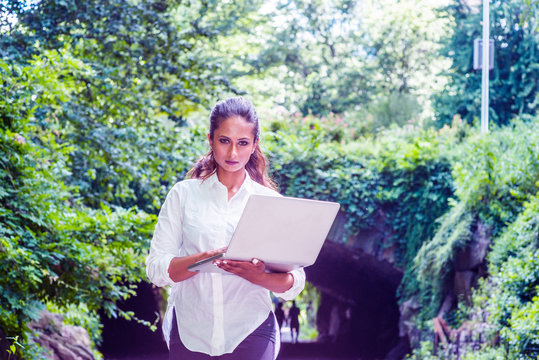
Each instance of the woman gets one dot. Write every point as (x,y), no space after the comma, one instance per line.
(209,315)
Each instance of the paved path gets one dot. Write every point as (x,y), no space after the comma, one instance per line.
(288,352)
(301,351)
(313,351)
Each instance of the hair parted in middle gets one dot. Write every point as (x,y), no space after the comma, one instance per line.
(257,166)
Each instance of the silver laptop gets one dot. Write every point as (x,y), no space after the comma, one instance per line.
(284,232)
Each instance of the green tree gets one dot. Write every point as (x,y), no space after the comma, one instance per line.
(347,56)
(149,68)
(514,88)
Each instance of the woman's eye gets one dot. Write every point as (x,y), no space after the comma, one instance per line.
(223,141)
(244,143)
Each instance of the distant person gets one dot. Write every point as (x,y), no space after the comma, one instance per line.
(279,314)
(293,315)
(334,324)
(210,315)
(310,314)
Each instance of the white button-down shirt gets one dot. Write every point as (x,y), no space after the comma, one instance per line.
(214,312)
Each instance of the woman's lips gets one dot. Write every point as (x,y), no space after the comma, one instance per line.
(229,162)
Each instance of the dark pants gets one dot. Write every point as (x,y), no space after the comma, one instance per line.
(259,345)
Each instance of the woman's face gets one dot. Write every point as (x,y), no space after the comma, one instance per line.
(232,144)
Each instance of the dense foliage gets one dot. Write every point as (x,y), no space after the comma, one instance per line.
(100,105)
(499,187)
(515,77)
(144,69)
(376,58)
(514,266)
(493,176)
(391,176)
(433,189)
(53,248)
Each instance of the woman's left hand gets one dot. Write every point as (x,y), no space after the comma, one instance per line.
(253,271)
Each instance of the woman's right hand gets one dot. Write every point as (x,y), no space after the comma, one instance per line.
(211,253)
(177,270)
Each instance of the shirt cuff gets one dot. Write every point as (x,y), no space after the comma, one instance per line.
(157,270)
(297,286)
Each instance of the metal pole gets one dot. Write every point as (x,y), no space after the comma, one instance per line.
(485,67)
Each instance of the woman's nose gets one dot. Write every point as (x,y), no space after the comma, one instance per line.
(233,151)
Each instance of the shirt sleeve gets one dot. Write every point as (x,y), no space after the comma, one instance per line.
(166,240)
(297,286)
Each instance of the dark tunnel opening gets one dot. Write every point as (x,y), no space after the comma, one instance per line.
(122,338)
(358,310)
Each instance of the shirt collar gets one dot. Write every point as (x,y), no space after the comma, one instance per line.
(213,182)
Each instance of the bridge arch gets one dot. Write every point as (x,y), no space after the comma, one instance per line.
(358,310)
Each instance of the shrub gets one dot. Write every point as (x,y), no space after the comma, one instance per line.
(53,249)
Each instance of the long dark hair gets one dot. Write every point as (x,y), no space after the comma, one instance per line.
(257,166)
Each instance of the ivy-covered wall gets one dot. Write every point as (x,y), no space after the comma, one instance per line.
(438,191)
(396,173)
